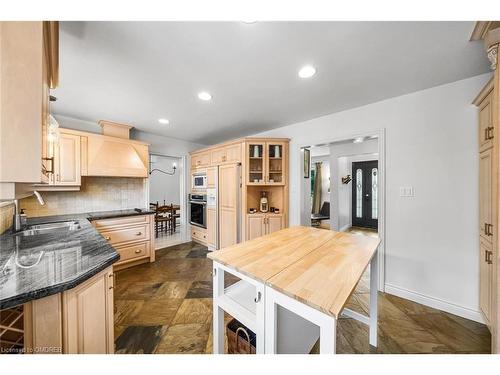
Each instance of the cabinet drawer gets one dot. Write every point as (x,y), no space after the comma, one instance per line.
(129,220)
(120,235)
(138,250)
(199,234)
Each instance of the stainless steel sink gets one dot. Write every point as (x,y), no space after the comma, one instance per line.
(50,227)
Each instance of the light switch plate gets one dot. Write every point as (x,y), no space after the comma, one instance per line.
(406,191)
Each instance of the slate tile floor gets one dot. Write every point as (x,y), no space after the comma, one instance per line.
(166,307)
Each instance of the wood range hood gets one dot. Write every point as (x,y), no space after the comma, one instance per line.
(114,154)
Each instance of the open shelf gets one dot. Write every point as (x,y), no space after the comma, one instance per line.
(238,301)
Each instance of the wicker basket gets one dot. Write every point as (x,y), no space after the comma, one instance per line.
(240,340)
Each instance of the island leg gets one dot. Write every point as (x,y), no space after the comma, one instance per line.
(373,299)
(218,313)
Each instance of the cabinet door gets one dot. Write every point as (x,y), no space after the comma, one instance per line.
(274,223)
(211,227)
(485,124)
(218,155)
(485,198)
(200,159)
(67,160)
(485,280)
(255,226)
(256,167)
(88,316)
(275,163)
(229,195)
(211,177)
(233,153)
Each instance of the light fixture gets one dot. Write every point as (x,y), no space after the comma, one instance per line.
(307,71)
(249,21)
(174,168)
(205,96)
(163,121)
(358,140)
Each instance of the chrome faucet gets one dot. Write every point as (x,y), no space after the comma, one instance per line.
(19,218)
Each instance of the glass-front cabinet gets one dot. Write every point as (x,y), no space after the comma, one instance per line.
(275,165)
(256,165)
(266,163)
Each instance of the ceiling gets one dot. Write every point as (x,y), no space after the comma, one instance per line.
(138,72)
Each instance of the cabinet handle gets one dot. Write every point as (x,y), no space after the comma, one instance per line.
(488,134)
(258,298)
(138,251)
(138,234)
(490,229)
(486,229)
(107,238)
(488,257)
(113,281)
(57,177)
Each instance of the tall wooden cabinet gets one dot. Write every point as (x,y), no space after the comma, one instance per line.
(243,170)
(488,103)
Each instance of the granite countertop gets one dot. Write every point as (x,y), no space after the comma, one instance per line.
(40,265)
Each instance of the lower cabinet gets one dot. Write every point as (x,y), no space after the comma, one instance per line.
(211,228)
(131,236)
(485,279)
(199,235)
(262,224)
(76,321)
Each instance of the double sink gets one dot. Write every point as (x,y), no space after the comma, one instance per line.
(33,230)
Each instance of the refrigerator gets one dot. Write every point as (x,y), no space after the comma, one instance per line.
(225,199)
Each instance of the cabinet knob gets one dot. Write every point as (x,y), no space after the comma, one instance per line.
(137,251)
(138,234)
(107,238)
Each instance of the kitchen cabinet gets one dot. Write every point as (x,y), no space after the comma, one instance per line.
(199,234)
(211,227)
(485,280)
(76,321)
(67,160)
(229,187)
(261,224)
(28,70)
(212,177)
(487,208)
(88,324)
(226,154)
(131,236)
(200,159)
(267,162)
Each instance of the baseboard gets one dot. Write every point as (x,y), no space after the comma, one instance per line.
(435,303)
(345,227)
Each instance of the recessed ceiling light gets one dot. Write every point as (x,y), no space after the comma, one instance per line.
(307,71)
(249,21)
(163,121)
(204,96)
(358,140)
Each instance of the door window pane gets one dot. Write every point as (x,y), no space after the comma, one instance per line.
(359,193)
(374,193)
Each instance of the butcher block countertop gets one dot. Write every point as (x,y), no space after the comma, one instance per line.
(317,267)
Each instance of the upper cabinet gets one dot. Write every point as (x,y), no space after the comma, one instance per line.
(67,161)
(226,154)
(267,162)
(200,159)
(28,69)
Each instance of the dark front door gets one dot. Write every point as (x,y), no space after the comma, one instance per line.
(365,194)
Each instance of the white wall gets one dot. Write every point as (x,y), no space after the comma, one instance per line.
(164,187)
(431,144)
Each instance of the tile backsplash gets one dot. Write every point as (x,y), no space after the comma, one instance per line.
(96,194)
(6,214)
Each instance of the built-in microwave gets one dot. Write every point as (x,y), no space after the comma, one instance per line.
(199,181)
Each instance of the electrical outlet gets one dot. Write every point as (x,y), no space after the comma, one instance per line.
(406,191)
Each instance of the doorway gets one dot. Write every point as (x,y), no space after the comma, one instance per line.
(365,194)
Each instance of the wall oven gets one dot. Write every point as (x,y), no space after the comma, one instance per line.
(198,210)
(199,181)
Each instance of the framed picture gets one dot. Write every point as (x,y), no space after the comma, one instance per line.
(307,163)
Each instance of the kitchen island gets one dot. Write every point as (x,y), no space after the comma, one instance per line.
(293,287)
(57,274)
